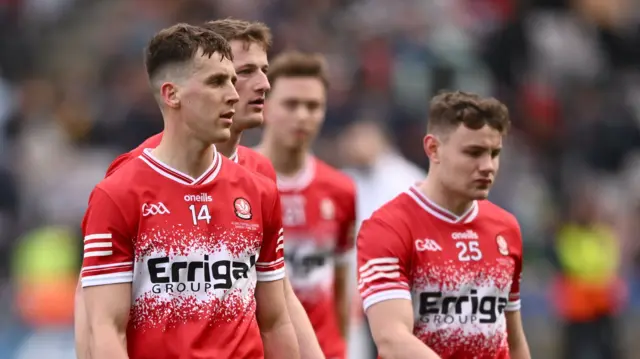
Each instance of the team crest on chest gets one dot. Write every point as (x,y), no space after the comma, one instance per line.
(327,209)
(242,208)
(502,245)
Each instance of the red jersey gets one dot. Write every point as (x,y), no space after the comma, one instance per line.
(190,248)
(318,215)
(244,156)
(461,272)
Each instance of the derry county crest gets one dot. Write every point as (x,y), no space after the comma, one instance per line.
(242,208)
(502,245)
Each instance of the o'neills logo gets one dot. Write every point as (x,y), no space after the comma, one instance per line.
(202,197)
(468,234)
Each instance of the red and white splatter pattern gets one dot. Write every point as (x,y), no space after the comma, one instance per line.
(461,273)
(194,265)
(455,334)
(156,307)
(180,240)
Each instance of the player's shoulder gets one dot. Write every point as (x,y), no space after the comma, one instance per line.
(392,215)
(118,162)
(243,176)
(332,178)
(258,162)
(246,152)
(151,142)
(119,185)
(496,214)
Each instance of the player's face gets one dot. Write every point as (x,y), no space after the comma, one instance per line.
(469,161)
(295,110)
(251,65)
(207,98)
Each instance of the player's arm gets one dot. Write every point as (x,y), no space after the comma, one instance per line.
(518,346)
(307,340)
(276,329)
(391,325)
(107,272)
(344,249)
(383,282)
(80,325)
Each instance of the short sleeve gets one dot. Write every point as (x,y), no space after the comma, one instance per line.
(108,245)
(270,264)
(383,263)
(514,294)
(346,230)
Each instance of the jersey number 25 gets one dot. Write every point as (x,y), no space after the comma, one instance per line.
(469,251)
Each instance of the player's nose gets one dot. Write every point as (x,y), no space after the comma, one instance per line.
(302,114)
(232,96)
(262,84)
(487,165)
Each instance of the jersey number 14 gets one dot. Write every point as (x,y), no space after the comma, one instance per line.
(203,214)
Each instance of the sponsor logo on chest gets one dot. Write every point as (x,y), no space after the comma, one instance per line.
(466,235)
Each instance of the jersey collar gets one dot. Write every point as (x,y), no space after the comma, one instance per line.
(180,177)
(440,212)
(300,180)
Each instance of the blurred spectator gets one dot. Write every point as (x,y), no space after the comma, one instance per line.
(369,158)
(589,291)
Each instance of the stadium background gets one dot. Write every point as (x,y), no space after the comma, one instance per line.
(73,95)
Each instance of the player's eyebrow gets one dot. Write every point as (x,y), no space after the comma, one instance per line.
(482,148)
(248,66)
(252,67)
(220,78)
(476,147)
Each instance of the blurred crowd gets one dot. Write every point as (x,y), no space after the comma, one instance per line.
(73,95)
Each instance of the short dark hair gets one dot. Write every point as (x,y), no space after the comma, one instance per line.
(247,31)
(298,64)
(449,109)
(179,44)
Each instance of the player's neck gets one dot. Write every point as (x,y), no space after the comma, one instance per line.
(229,147)
(435,192)
(185,154)
(285,161)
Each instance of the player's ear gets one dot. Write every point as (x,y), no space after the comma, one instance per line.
(170,94)
(431,145)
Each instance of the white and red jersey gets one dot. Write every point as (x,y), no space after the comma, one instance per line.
(318,209)
(193,249)
(244,156)
(460,272)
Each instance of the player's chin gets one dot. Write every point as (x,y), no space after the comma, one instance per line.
(220,135)
(295,144)
(480,193)
(248,121)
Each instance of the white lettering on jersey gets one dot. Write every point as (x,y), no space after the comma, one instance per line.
(202,197)
(427,245)
(468,234)
(154,209)
(293,210)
